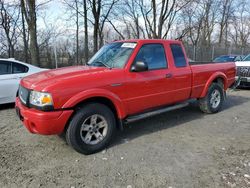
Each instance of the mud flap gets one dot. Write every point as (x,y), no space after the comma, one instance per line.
(236,83)
(225,95)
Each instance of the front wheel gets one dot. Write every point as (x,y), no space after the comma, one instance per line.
(91,128)
(214,99)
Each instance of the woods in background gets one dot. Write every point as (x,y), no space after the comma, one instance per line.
(207,27)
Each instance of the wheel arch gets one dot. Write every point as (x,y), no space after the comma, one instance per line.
(98,96)
(218,77)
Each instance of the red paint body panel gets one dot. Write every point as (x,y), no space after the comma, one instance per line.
(130,92)
(203,76)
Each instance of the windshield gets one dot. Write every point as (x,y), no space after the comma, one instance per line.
(113,55)
(225,59)
(247,58)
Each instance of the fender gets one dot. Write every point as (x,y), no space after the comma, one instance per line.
(84,95)
(211,79)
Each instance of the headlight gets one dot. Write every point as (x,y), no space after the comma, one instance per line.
(40,99)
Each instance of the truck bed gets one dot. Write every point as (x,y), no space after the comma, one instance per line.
(204,71)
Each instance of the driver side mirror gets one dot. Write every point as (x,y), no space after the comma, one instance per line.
(139,66)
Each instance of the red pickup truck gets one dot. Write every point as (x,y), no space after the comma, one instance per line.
(124,81)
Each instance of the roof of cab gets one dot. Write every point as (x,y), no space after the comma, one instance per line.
(148,40)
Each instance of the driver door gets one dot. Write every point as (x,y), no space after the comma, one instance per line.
(150,88)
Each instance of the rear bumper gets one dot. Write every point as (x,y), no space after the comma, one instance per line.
(39,122)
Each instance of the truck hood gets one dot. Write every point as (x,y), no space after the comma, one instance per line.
(51,77)
(242,63)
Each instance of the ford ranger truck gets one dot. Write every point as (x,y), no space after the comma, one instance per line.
(123,82)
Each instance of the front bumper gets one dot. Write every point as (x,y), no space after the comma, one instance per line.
(39,122)
(243,79)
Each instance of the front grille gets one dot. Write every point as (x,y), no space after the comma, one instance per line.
(243,71)
(23,94)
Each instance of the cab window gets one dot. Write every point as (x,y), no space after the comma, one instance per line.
(153,55)
(178,55)
(5,67)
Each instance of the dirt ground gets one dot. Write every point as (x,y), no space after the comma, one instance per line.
(182,148)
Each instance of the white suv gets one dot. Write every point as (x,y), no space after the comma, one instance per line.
(243,71)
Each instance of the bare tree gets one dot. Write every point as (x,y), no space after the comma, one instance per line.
(225,15)
(77,31)
(25,41)
(96,11)
(131,9)
(106,9)
(100,10)
(75,12)
(157,15)
(193,17)
(29,8)
(48,40)
(210,8)
(121,36)
(240,30)
(86,35)
(9,23)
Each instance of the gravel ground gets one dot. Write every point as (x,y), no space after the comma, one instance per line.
(182,148)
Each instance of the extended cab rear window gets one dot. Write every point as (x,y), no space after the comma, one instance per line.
(178,55)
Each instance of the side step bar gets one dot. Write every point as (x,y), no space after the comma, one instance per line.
(155,112)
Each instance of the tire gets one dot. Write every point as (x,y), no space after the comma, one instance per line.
(91,121)
(207,104)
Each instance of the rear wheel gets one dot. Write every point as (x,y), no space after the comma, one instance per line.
(91,129)
(214,99)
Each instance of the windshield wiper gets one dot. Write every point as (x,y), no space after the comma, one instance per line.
(99,62)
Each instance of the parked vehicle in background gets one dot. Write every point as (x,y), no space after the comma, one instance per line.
(228,58)
(11,72)
(243,71)
(190,60)
(124,81)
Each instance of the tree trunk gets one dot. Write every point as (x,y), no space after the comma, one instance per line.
(86,36)
(5,23)
(12,50)
(77,33)
(101,42)
(25,44)
(96,10)
(137,27)
(49,58)
(35,60)
(96,37)
(154,19)
(30,16)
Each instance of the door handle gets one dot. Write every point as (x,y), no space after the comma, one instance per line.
(169,75)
